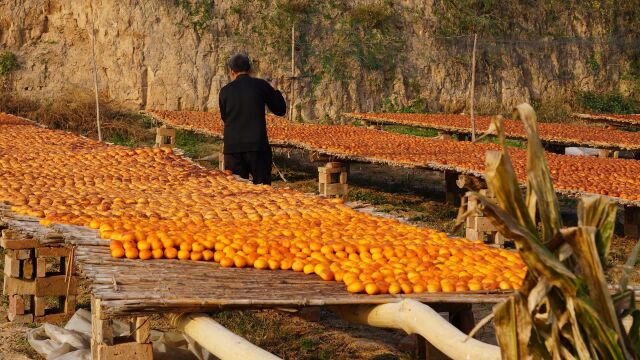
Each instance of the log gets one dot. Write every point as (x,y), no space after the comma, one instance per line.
(416,318)
(214,337)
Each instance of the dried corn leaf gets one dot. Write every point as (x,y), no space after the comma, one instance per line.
(600,213)
(538,177)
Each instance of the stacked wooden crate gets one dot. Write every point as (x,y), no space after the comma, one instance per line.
(35,294)
(478,226)
(332,180)
(165,137)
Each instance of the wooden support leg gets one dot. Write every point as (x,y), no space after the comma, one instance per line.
(103,346)
(632,222)
(221,162)
(451,188)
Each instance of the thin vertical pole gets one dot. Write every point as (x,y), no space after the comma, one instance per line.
(95,72)
(293,70)
(473,88)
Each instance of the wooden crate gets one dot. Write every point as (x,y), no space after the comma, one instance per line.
(332,180)
(104,346)
(165,137)
(36,295)
(479,227)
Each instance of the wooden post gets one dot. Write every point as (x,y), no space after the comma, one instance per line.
(473,86)
(95,72)
(293,70)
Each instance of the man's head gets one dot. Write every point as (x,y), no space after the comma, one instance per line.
(239,64)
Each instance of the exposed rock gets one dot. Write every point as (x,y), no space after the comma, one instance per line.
(146,59)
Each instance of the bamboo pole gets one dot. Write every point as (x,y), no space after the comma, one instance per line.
(95,72)
(473,88)
(217,339)
(293,70)
(417,318)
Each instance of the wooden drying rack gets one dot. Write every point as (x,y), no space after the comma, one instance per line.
(135,289)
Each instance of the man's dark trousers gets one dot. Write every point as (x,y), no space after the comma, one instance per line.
(254,163)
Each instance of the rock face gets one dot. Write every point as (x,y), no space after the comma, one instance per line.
(147,58)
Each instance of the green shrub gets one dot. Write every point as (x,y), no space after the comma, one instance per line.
(199,13)
(8,63)
(609,102)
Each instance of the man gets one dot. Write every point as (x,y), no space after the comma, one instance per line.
(242,107)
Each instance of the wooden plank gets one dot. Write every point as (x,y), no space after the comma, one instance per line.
(335,189)
(101,329)
(25,318)
(22,254)
(481,224)
(343,177)
(55,318)
(48,286)
(53,251)
(13,240)
(16,304)
(129,351)
(143,329)
(11,265)
(41,267)
(70,304)
(40,305)
(334,165)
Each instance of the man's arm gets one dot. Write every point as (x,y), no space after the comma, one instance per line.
(222,105)
(275,101)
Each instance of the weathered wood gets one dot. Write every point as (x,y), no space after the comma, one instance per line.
(142,331)
(40,305)
(53,251)
(47,286)
(101,329)
(129,351)
(11,266)
(16,305)
(14,240)
(165,137)
(41,267)
(25,318)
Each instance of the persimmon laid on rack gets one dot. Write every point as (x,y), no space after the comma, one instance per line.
(572,175)
(153,204)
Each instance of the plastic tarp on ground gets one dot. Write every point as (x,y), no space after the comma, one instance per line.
(73,342)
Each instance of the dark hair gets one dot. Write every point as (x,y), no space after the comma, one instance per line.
(239,63)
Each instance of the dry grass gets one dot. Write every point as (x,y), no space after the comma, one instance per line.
(74,110)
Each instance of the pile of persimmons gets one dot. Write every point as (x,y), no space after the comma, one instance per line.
(153,204)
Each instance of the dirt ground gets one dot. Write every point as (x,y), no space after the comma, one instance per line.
(416,196)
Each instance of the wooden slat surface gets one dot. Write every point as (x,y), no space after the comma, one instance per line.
(128,287)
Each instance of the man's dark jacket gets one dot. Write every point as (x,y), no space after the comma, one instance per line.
(242,104)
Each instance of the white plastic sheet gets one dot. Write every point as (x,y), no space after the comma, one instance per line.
(73,342)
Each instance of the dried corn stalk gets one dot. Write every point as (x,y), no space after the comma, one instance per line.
(564,309)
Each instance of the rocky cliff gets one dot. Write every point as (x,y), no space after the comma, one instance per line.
(350,55)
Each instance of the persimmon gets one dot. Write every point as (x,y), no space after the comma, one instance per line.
(117,252)
(157,253)
(170,253)
(184,254)
(131,253)
(226,262)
